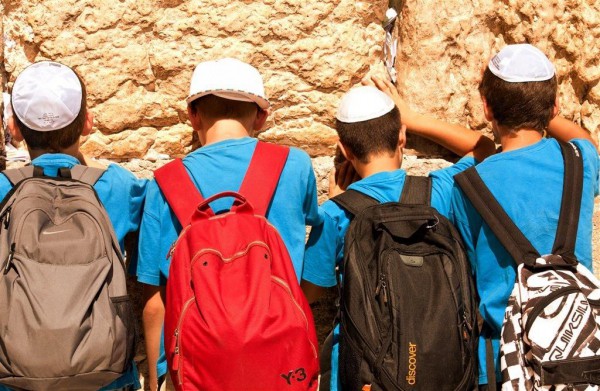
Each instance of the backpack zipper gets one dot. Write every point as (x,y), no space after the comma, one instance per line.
(286,287)
(5,217)
(177,353)
(9,259)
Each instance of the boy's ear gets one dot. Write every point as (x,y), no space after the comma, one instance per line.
(194,119)
(88,124)
(261,118)
(402,137)
(14,130)
(556,108)
(487,111)
(345,151)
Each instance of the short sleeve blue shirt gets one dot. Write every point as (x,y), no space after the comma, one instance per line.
(325,246)
(326,242)
(527,183)
(122,195)
(215,168)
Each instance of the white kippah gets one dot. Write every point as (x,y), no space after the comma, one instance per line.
(521,63)
(47,96)
(362,104)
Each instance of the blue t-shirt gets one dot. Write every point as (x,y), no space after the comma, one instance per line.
(527,183)
(122,195)
(325,246)
(215,168)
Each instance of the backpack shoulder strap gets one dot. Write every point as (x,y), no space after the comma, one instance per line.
(568,221)
(85,174)
(494,215)
(354,201)
(16,175)
(416,190)
(178,188)
(263,174)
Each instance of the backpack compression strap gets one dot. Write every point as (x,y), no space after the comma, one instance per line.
(263,174)
(509,235)
(416,190)
(181,193)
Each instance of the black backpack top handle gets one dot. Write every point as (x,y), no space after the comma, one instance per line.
(509,235)
(416,191)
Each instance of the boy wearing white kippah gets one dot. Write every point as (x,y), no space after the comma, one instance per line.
(518,90)
(226,105)
(50,115)
(372,135)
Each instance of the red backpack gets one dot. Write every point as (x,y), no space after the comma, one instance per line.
(236,318)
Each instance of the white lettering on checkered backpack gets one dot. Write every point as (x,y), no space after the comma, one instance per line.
(551,332)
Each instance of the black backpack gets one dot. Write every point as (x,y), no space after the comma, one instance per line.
(407,302)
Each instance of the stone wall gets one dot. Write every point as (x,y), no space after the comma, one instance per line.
(136,57)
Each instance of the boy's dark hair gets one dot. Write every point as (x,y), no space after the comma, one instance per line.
(375,136)
(56,140)
(215,107)
(526,105)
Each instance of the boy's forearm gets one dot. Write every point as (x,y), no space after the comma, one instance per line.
(456,138)
(153,318)
(564,130)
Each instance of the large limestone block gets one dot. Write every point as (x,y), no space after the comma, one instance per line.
(137,57)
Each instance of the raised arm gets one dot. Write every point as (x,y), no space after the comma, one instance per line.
(564,130)
(455,138)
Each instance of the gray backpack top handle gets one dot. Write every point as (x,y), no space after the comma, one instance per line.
(79,172)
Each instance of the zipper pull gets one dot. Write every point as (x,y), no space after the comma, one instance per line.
(381,289)
(176,353)
(171,250)
(6,217)
(385,295)
(9,259)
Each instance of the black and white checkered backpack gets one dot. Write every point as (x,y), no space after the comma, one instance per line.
(551,333)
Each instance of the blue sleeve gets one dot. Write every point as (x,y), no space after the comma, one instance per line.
(5,186)
(590,160)
(467,222)
(137,195)
(325,246)
(443,183)
(311,204)
(157,234)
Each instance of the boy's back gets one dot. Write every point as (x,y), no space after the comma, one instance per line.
(221,167)
(226,105)
(53,143)
(528,184)
(519,92)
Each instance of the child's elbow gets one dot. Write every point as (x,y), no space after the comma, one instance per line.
(484,148)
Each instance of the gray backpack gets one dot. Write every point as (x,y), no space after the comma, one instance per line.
(66,321)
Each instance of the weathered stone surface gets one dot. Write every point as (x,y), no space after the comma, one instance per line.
(136,57)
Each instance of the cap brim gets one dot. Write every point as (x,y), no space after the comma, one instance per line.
(231,94)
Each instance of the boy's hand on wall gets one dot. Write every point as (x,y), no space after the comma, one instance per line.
(386,86)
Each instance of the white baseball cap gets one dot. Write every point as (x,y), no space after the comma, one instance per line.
(47,96)
(362,104)
(228,78)
(521,63)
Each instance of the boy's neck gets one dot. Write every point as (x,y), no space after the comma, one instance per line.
(516,139)
(377,164)
(225,130)
(71,151)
